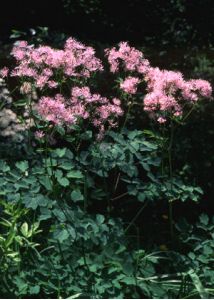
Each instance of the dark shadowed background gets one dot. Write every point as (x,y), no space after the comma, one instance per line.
(174,22)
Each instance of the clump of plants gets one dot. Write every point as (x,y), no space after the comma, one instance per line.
(100,140)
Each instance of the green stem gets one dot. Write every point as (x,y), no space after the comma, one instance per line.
(85,193)
(171,176)
(135,217)
(188,114)
(127,115)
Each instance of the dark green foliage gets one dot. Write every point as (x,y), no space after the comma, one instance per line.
(68,251)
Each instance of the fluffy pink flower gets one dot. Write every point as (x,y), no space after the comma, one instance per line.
(194,88)
(55,110)
(116,101)
(4,72)
(43,63)
(159,101)
(131,58)
(20,50)
(129,85)
(41,81)
(164,80)
(83,105)
(47,72)
(83,92)
(177,114)
(161,120)
(24,70)
(52,84)
(39,134)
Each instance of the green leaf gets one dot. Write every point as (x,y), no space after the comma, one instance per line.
(199,190)
(75,174)
(100,218)
(129,280)
(86,135)
(151,176)
(76,195)
(22,165)
(60,152)
(58,174)
(34,290)
(204,219)
(24,229)
(133,134)
(67,165)
(150,146)
(59,214)
(128,268)
(19,103)
(135,146)
(146,166)
(45,214)
(33,202)
(46,182)
(61,235)
(63,181)
(10,238)
(141,197)
(198,284)
(21,185)
(60,130)
(4,167)
(75,296)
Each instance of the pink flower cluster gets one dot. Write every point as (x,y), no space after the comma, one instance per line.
(130,58)
(43,65)
(166,90)
(99,109)
(81,105)
(129,85)
(55,110)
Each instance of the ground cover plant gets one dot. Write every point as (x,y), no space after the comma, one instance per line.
(99,141)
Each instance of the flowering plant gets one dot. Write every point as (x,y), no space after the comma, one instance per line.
(63,79)
(80,253)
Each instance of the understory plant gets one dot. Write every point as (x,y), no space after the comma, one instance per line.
(88,159)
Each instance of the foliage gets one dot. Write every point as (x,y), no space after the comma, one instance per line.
(78,247)
(199,243)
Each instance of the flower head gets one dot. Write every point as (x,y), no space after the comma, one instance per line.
(4,72)
(129,85)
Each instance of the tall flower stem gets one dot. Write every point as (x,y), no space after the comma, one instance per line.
(171,177)
(130,104)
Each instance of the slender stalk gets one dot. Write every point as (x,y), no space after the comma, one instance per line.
(85,192)
(135,217)
(172,129)
(130,104)
(117,181)
(171,176)
(120,196)
(189,113)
